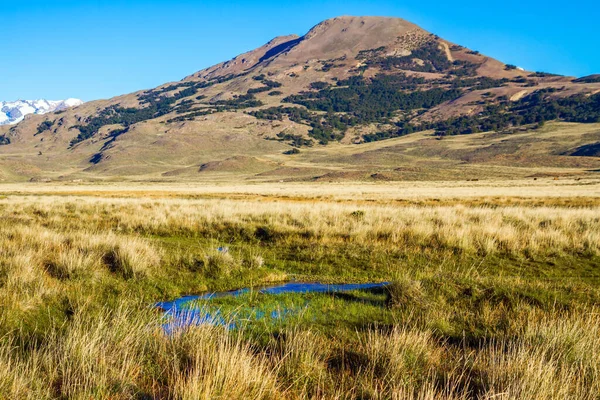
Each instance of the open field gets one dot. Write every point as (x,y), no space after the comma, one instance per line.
(494,290)
(415,192)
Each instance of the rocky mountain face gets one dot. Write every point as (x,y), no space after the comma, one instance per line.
(13,112)
(352,80)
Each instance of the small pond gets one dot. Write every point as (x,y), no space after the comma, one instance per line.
(191,310)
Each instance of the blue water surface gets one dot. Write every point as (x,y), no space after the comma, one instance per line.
(180,314)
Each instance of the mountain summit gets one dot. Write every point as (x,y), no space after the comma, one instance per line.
(331,39)
(278,110)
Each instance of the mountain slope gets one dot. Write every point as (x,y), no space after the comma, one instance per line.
(351,80)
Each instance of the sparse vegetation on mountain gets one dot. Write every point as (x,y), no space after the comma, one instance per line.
(271,84)
(426,58)
(294,140)
(324,127)
(292,151)
(319,85)
(536,108)
(372,100)
(540,74)
(588,79)
(533,109)
(155,103)
(239,102)
(259,90)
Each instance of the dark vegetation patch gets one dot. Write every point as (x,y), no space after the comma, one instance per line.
(195,113)
(319,85)
(292,151)
(372,100)
(268,85)
(293,140)
(259,90)
(43,127)
(238,102)
(540,74)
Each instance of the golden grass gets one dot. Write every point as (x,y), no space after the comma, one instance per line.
(480,230)
(107,357)
(541,189)
(78,273)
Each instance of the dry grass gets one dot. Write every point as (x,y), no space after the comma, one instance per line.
(77,274)
(555,358)
(482,230)
(124,354)
(538,191)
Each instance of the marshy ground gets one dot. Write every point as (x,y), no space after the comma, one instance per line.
(494,291)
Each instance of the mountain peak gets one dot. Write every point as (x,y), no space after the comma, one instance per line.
(337,37)
(347,35)
(363,22)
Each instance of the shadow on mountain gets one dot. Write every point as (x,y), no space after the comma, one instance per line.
(588,150)
(281,48)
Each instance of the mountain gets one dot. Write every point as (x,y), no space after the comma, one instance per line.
(360,98)
(13,112)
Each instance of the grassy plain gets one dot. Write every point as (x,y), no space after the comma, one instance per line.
(494,290)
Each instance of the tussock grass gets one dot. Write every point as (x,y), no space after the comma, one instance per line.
(480,230)
(486,302)
(125,354)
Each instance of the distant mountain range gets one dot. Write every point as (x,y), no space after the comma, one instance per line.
(355,98)
(13,112)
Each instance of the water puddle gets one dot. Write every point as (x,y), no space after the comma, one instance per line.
(185,311)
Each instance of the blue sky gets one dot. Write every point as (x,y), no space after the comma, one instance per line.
(100,49)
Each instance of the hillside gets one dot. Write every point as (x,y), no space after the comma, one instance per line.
(356,98)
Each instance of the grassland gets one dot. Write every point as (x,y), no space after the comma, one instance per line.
(494,290)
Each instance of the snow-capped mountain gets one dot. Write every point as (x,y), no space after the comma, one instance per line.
(13,112)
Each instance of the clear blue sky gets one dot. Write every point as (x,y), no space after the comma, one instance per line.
(100,49)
